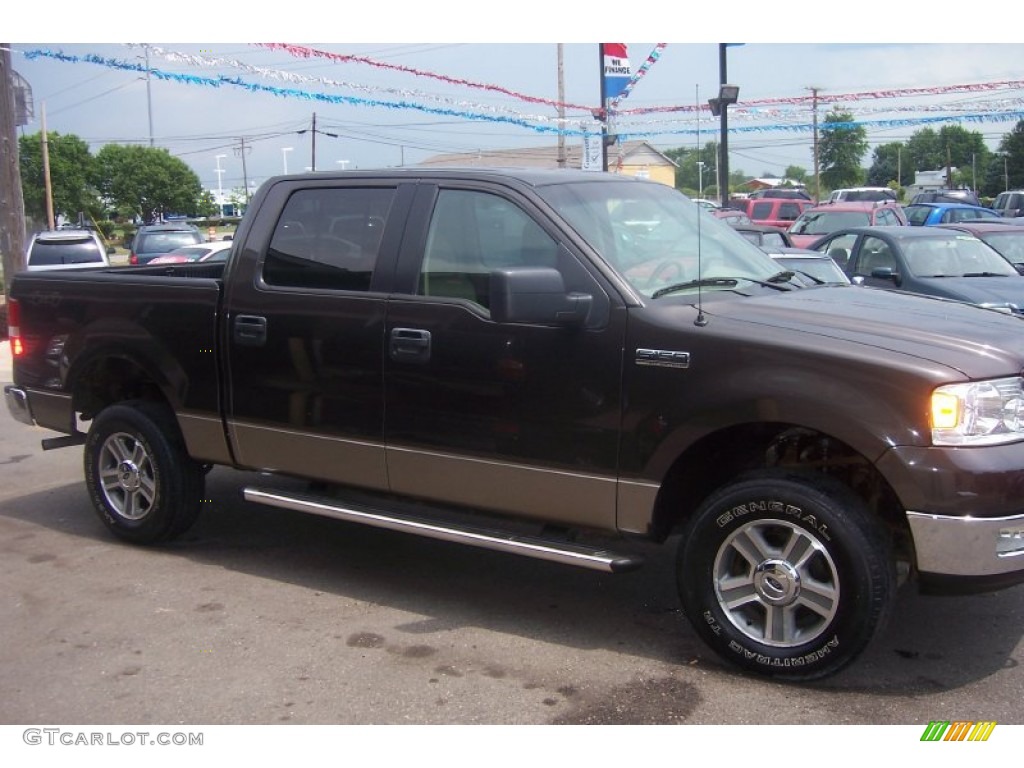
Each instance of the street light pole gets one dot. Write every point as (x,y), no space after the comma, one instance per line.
(700,179)
(220,185)
(727,94)
(284,156)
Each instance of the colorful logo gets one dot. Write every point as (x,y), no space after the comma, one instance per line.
(958,730)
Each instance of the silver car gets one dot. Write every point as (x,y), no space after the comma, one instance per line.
(66,249)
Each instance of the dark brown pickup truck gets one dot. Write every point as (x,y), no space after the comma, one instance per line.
(522,360)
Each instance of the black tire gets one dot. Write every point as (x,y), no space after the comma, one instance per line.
(786,575)
(143,484)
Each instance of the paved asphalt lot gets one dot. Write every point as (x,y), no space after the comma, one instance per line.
(262,616)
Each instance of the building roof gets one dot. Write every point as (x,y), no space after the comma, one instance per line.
(632,153)
(772,183)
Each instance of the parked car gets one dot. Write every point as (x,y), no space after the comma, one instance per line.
(861,194)
(820,220)
(1009,204)
(819,268)
(932,214)
(217,250)
(730,216)
(155,240)
(703,202)
(785,193)
(65,249)
(946,196)
(934,261)
(1003,235)
(775,211)
(764,237)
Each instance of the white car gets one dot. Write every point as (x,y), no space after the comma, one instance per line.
(65,249)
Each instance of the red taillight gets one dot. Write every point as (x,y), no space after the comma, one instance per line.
(14,327)
(132,258)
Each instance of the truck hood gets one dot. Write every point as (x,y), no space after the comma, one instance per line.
(979,343)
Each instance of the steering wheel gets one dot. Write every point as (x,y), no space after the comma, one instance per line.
(668,271)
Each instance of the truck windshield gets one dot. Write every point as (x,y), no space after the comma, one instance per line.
(655,237)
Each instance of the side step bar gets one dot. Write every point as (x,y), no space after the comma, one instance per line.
(567,553)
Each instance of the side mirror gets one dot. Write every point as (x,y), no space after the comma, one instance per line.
(887,273)
(536,295)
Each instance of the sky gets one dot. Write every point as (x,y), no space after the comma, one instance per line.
(425,90)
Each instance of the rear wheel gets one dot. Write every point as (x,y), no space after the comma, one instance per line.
(786,575)
(143,484)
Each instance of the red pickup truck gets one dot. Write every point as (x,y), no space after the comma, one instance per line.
(519,360)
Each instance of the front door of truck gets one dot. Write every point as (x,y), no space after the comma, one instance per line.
(517,418)
(305,331)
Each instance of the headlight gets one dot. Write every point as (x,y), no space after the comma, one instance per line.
(978,413)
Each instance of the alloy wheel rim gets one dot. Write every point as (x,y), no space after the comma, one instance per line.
(127,476)
(776,583)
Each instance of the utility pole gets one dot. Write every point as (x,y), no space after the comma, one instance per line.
(817,169)
(149,96)
(50,223)
(245,176)
(561,106)
(603,112)
(312,161)
(12,201)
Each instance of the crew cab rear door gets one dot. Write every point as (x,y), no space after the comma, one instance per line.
(517,417)
(304,330)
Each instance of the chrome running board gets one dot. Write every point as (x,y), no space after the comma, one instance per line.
(567,553)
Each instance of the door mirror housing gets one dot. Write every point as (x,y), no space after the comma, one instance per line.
(536,296)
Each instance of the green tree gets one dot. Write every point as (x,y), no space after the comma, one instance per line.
(1009,162)
(887,165)
(796,173)
(841,147)
(688,171)
(148,181)
(71,173)
(924,151)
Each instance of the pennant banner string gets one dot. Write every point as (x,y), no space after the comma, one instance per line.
(307,53)
(584,128)
(291,77)
(638,75)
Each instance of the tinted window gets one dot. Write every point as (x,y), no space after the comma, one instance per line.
(163,242)
(823,222)
(886,218)
(328,238)
(789,211)
(760,211)
(53,252)
(472,233)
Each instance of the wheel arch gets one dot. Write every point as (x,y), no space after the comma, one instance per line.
(720,457)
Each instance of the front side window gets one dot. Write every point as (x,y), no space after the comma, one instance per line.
(328,238)
(472,233)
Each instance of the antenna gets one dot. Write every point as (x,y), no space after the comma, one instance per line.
(701,319)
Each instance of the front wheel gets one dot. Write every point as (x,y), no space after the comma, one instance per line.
(143,484)
(786,575)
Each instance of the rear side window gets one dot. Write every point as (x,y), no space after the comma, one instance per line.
(328,238)
(790,211)
(47,253)
(761,211)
